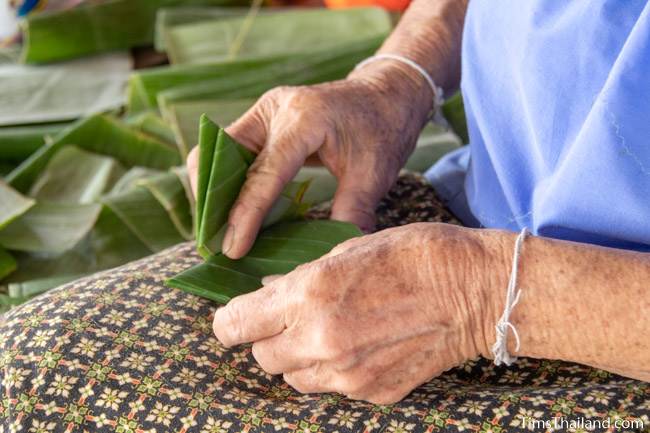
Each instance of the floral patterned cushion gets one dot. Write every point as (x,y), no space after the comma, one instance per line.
(120,352)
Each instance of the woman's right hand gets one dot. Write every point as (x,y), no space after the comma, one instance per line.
(362,129)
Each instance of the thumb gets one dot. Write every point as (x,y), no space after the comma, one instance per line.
(356,198)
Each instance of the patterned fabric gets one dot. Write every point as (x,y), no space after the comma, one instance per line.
(120,352)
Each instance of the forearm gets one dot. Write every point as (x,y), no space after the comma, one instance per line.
(429,33)
(579,303)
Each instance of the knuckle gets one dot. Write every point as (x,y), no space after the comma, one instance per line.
(262,356)
(227,324)
(348,383)
(327,342)
(296,382)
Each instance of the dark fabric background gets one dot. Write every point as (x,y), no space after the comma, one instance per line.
(120,352)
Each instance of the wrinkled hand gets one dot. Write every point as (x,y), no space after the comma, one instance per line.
(377,316)
(357,128)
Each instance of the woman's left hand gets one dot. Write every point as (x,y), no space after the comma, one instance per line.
(378,315)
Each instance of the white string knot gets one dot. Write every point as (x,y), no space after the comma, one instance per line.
(500,347)
(438,93)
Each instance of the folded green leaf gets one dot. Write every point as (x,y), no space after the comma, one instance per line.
(7,263)
(147,219)
(12,204)
(62,92)
(6,168)
(245,78)
(29,289)
(223,164)
(100,134)
(168,189)
(182,117)
(152,124)
(454,111)
(76,176)
(278,250)
(50,227)
(109,244)
(167,18)
(131,178)
(7,302)
(285,32)
(18,142)
(433,143)
(94,27)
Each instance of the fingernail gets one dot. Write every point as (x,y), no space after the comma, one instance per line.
(228,239)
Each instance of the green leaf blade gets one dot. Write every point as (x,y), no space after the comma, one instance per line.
(50,227)
(278,250)
(12,204)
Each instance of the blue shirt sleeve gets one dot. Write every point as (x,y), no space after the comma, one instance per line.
(557,97)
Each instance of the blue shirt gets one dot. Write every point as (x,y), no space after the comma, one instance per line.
(557,98)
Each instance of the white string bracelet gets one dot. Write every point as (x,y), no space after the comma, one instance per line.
(437,91)
(500,347)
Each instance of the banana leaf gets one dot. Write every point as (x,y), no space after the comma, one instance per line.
(67,91)
(10,54)
(12,204)
(109,244)
(145,217)
(76,176)
(286,32)
(7,302)
(50,227)
(7,263)
(434,142)
(29,289)
(278,250)
(168,189)
(184,178)
(100,134)
(95,27)
(454,111)
(167,18)
(182,115)
(18,142)
(153,125)
(245,78)
(223,164)
(6,168)
(131,178)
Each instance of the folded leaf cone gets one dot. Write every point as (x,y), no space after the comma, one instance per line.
(223,164)
(281,247)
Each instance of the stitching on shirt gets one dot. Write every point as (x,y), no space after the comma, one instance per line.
(624,145)
(513,219)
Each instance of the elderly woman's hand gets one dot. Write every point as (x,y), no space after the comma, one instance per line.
(377,316)
(362,129)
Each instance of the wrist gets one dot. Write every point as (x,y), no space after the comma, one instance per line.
(400,86)
(471,267)
(487,295)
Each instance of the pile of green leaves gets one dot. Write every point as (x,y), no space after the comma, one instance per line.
(91,174)
(101,193)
